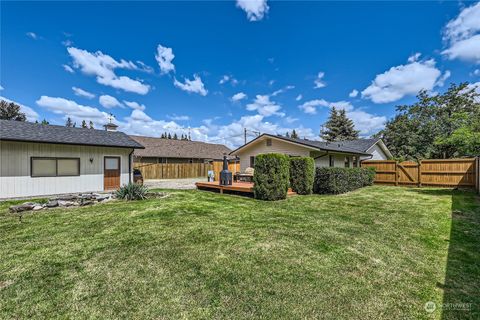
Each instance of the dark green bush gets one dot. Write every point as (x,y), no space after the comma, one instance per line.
(302,173)
(271,176)
(341,180)
(132,191)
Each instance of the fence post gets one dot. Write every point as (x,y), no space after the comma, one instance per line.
(419,173)
(396,173)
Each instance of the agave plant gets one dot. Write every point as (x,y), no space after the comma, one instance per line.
(132,191)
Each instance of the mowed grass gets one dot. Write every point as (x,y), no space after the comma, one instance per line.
(378,252)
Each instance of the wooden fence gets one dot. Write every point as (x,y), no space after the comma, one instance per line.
(182,170)
(444,172)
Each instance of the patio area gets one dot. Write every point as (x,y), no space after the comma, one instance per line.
(238,186)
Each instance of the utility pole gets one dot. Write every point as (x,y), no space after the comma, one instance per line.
(245,135)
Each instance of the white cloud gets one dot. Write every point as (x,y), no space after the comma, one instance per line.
(227,78)
(135,105)
(366,122)
(255,9)
(195,86)
(238,96)
(299,97)
(476,72)
(311,106)
(82,93)
(319,83)
(32,35)
(404,80)
(178,118)
(164,58)
(291,119)
(279,91)
(69,108)
(1,88)
(264,106)
(109,102)
(463,35)
(353,94)
(475,86)
(68,68)
(103,66)
(467,49)
(29,112)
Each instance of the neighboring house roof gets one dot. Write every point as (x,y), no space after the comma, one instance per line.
(366,144)
(318,145)
(35,132)
(169,148)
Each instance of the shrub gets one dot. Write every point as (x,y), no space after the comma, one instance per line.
(341,180)
(132,191)
(302,173)
(271,176)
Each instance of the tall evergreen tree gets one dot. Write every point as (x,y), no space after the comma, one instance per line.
(294,134)
(287,135)
(11,111)
(338,127)
(175,137)
(169,136)
(45,122)
(84,124)
(91,124)
(69,123)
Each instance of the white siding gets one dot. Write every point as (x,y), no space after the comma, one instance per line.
(15,179)
(278,146)
(376,152)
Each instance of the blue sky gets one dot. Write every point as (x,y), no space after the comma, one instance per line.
(216,67)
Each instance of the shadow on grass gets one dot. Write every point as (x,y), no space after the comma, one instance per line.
(461,289)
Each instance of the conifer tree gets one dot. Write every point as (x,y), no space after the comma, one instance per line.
(169,136)
(91,124)
(84,124)
(338,127)
(69,123)
(294,134)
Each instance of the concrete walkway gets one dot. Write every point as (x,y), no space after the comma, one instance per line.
(173,183)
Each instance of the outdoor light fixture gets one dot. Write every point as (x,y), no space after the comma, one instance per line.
(91,160)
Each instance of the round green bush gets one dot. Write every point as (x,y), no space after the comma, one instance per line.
(302,173)
(271,176)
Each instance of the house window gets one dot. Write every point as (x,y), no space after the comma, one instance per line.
(347,162)
(355,161)
(269,142)
(331,160)
(54,167)
(252,162)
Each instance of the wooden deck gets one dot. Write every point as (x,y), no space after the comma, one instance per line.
(242,187)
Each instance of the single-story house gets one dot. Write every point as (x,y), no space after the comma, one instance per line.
(38,159)
(158,150)
(326,154)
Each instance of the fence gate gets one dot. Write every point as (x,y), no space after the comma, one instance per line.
(407,172)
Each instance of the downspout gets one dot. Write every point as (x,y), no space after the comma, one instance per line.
(130,166)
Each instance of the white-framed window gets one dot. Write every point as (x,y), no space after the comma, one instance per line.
(54,167)
(269,142)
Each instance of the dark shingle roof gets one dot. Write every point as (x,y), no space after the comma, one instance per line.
(360,144)
(321,145)
(35,132)
(169,148)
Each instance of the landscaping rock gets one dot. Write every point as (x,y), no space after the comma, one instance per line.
(86,203)
(36,208)
(22,207)
(67,198)
(63,203)
(51,204)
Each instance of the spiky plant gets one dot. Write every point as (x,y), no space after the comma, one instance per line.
(132,191)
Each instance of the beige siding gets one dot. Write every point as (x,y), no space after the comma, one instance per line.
(260,146)
(324,161)
(15,179)
(376,152)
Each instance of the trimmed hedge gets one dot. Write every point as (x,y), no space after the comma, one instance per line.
(302,174)
(341,180)
(271,176)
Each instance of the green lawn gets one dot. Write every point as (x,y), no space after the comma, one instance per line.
(379,252)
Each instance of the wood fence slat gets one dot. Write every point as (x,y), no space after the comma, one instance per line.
(182,170)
